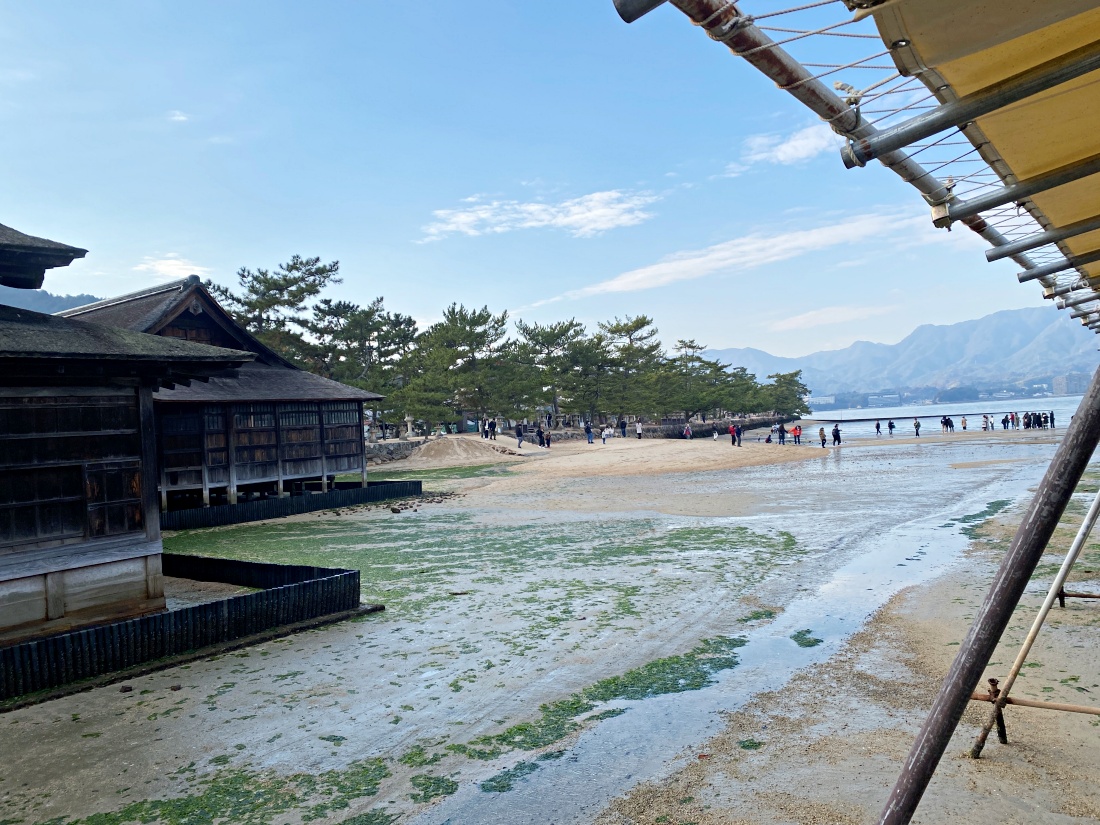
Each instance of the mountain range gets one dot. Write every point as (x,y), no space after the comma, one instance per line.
(39,300)
(1003,348)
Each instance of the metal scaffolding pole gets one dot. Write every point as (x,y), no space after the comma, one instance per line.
(1027,548)
(1042,239)
(946,213)
(1045,76)
(1058,266)
(1052,594)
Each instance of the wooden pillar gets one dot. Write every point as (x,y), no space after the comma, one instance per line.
(231,445)
(1028,546)
(362,445)
(324,466)
(147,426)
(279,451)
(204,453)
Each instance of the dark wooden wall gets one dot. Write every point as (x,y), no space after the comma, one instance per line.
(230,446)
(70,467)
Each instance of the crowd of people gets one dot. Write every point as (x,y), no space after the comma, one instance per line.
(779,432)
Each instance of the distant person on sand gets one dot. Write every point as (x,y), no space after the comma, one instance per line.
(588,431)
(1052,419)
(963,422)
(492,429)
(916,427)
(638,429)
(782,431)
(733,435)
(548,439)
(821,435)
(687,432)
(607,433)
(878,429)
(740,432)
(540,435)
(622,427)
(714,433)
(519,436)
(836,435)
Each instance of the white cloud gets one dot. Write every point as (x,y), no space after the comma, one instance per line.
(829,315)
(176,116)
(798,147)
(170,267)
(582,217)
(753,251)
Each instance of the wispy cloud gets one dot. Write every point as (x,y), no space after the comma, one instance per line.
(829,315)
(753,251)
(581,217)
(797,147)
(170,267)
(176,116)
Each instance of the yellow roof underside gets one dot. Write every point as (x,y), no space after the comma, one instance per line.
(973,44)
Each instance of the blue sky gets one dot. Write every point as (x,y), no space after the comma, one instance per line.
(543,158)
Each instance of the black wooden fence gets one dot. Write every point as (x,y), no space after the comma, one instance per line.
(290,594)
(287,506)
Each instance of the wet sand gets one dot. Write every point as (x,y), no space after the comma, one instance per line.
(828,747)
(549,575)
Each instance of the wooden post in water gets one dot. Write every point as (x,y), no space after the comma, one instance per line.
(1019,563)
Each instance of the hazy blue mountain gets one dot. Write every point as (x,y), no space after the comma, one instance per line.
(41,301)
(1006,346)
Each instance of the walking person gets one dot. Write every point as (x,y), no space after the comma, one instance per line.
(519,436)
(622,427)
(782,431)
(890,425)
(588,431)
(638,429)
(548,439)
(740,431)
(916,427)
(607,433)
(836,435)
(878,429)
(733,435)
(540,435)
(687,432)
(963,422)
(492,429)
(1052,419)
(821,435)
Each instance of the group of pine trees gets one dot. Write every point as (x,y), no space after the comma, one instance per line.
(468,362)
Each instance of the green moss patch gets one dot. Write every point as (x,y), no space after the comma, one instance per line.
(805,638)
(431,787)
(750,744)
(505,780)
(250,797)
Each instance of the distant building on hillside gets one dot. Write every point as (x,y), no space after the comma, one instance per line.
(890,400)
(271,429)
(1074,383)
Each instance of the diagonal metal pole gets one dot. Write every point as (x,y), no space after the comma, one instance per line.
(1027,548)
(1052,594)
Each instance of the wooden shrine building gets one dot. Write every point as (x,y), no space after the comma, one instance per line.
(272,429)
(79,525)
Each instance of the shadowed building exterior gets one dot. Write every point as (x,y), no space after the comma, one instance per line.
(79,526)
(271,429)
